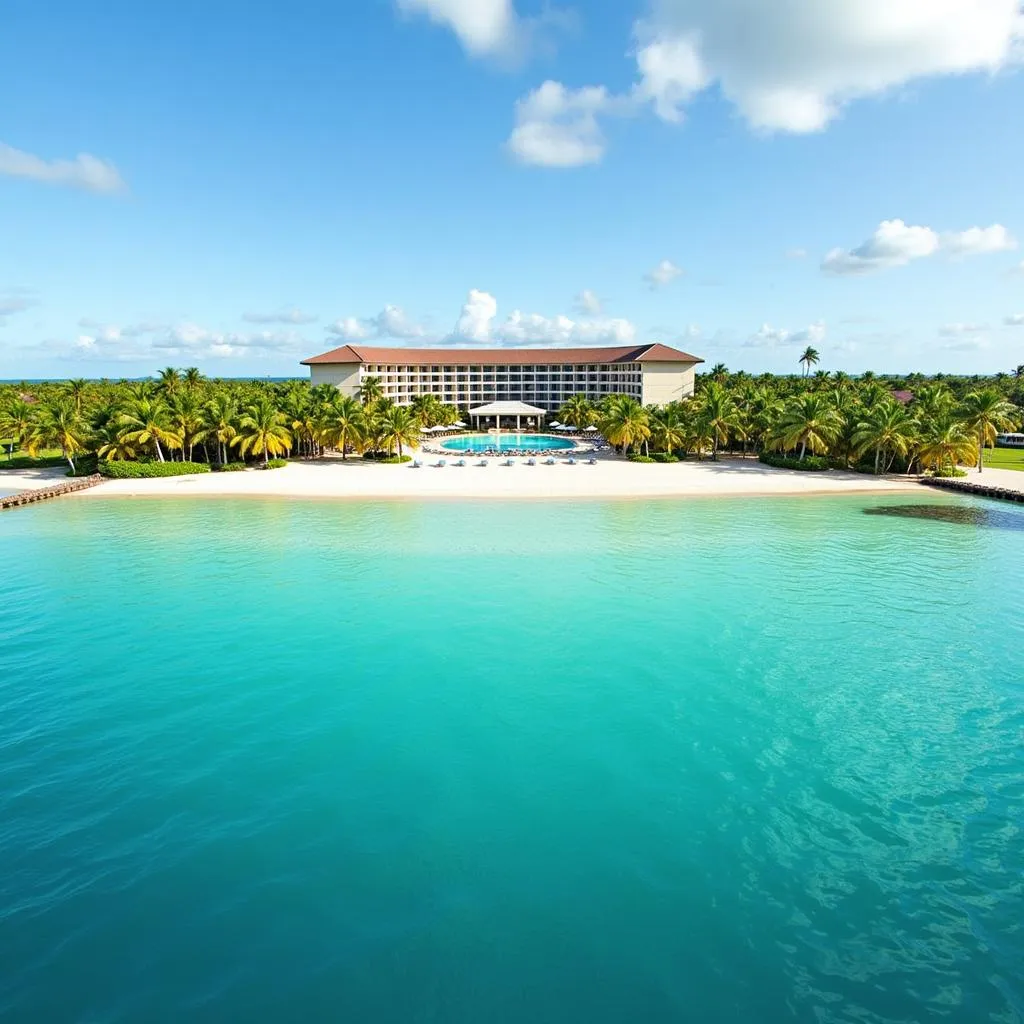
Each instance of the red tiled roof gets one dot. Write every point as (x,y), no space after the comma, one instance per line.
(656,353)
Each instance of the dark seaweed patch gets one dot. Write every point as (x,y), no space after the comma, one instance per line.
(961,515)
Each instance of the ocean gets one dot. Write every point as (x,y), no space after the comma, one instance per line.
(713,760)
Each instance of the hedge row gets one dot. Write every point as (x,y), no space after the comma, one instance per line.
(27,462)
(142,470)
(809,463)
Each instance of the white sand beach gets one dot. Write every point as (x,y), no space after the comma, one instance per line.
(609,478)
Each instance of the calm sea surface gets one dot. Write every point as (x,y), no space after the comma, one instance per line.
(596,762)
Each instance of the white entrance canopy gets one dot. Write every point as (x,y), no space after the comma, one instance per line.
(499,409)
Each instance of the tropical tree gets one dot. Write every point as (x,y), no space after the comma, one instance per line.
(945,443)
(112,443)
(220,417)
(168,380)
(370,390)
(809,358)
(399,426)
(719,413)
(344,418)
(15,424)
(577,412)
(986,413)
(192,378)
(887,429)
(78,391)
(809,421)
(719,372)
(668,428)
(147,423)
(186,418)
(1018,373)
(625,422)
(262,430)
(58,423)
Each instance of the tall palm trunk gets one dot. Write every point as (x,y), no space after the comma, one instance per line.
(878,453)
(159,451)
(803,450)
(981,453)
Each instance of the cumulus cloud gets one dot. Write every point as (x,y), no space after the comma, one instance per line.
(588,302)
(193,341)
(115,332)
(792,68)
(13,303)
(559,127)
(478,325)
(796,65)
(977,241)
(84,171)
(773,337)
(1016,320)
(975,343)
(894,244)
(284,316)
(390,322)
(664,273)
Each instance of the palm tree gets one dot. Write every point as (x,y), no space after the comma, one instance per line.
(986,413)
(626,423)
(220,417)
(370,390)
(15,424)
(888,429)
(192,378)
(810,421)
(344,418)
(78,390)
(186,420)
(668,428)
(58,424)
(945,443)
(112,444)
(1019,371)
(719,372)
(719,412)
(168,380)
(146,421)
(577,412)
(262,430)
(809,359)
(399,426)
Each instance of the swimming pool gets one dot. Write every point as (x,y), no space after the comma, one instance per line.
(507,442)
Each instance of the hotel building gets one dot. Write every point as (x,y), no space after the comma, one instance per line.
(653,374)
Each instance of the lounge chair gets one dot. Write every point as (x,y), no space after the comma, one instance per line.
(531,462)
(572,461)
(549,461)
(461,462)
(482,462)
(510,462)
(591,461)
(440,464)
(416,464)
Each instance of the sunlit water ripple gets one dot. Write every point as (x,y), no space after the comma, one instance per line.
(671,761)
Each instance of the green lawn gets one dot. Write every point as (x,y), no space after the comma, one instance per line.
(1004,458)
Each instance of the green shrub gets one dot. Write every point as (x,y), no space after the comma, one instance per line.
(275,464)
(232,467)
(642,458)
(387,460)
(808,464)
(26,462)
(144,470)
(946,474)
(665,457)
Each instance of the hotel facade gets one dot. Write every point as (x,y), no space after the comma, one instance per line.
(652,374)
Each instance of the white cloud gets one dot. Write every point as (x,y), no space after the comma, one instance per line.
(957,329)
(558,127)
(194,341)
(390,322)
(482,26)
(114,332)
(476,325)
(976,343)
(894,244)
(773,337)
(977,241)
(796,254)
(795,65)
(664,273)
(284,316)
(1016,320)
(588,302)
(84,171)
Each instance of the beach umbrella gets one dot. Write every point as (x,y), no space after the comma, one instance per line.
(459,424)
(426,430)
(591,427)
(555,423)
(573,429)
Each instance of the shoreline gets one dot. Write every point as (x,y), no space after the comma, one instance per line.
(610,479)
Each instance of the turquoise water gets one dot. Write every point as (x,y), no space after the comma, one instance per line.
(507,442)
(455,762)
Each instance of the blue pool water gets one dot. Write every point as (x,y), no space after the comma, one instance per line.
(507,442)
(539,762)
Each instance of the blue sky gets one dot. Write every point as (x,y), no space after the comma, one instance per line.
(238,186)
